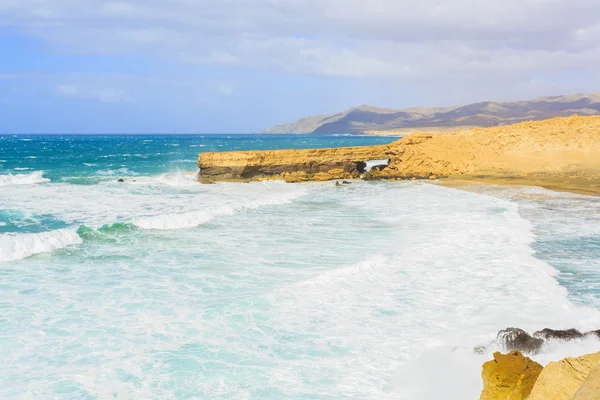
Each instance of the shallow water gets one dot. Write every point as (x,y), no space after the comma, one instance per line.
(163,288)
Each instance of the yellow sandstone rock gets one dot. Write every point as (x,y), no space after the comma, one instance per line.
(557,153)
(561,380)
(590,390)
(509,377)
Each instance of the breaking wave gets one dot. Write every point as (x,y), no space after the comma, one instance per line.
(19,246)
(195,218)
(23,179)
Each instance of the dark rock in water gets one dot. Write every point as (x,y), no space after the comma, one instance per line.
(337,184)
(379,167)
(551,334)
(593,333)
(518,339)
(346,183)
(120,181)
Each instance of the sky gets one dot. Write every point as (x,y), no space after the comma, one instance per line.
(235,66)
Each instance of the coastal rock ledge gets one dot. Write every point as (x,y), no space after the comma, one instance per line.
(556,152)
(516,377)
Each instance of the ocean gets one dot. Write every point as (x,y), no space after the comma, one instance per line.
(162,288)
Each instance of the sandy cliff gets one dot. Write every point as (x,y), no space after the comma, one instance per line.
(562,152)
(289,165)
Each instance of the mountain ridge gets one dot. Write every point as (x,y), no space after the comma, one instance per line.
(377,120)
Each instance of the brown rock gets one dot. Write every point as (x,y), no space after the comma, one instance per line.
(517,339)
(590,390)
(509,377)
(561,380)
(551,334)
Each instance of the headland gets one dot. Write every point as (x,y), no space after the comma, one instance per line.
(561,153)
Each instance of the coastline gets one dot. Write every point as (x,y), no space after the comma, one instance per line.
(559,153)
(582,186)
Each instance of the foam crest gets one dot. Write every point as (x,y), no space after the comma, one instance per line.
(195,218)
(462,270)
(17,247)
(23,179)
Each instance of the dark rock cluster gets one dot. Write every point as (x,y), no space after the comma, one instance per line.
(517,339)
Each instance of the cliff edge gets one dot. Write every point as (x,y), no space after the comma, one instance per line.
(562,151)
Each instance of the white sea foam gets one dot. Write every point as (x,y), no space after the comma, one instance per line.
(196,218)
(463,270)
(23,179)
(19,246)
(113,172)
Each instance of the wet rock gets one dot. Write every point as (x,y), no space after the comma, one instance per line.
(346,183)
(518,339)
(561,380)
(551,334)
(380,167)
(509,377)
(593,333)
(120,181)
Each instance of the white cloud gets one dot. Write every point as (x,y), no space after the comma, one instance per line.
(102,94)
(399,39)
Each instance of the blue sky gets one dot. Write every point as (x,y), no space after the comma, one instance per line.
(165,66)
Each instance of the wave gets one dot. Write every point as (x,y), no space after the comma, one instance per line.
(23,179)
(19,246)
(114,172)
(106,233)
(196,218)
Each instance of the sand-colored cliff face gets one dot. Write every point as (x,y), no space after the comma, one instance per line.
(515,377)
(290,165)
(558,145)
(563,150)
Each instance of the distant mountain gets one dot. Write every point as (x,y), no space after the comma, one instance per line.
(367,119)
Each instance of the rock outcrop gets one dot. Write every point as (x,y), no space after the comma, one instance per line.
(590,389)
(513,376)
(509,377)
(559,152)
(517,339)
(561,380)
(565,335)
(288,165)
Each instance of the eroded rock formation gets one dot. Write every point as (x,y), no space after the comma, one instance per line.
(561,380)
(288,165)
(561,151)
(517,339)
(590,389)
(509,377)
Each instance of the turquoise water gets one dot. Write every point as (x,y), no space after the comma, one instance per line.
(162,288)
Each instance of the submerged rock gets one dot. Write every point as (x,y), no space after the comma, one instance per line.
(561,380)
(593,333)
(509,377)
(121,181)
(517,339)
(551,334)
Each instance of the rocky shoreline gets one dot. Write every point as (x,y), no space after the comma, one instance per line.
(556,153)
(514,376)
